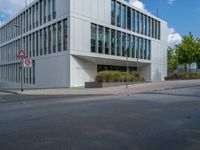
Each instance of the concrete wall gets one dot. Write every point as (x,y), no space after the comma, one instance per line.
(81,71)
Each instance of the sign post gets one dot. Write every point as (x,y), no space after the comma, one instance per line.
(21,55)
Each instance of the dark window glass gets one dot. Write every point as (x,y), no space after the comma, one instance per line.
(159,30)
(128,45)
(54,38)
(100,39)
(141,48)
(133,20)
(137,22)
(65,35)
(112,42)
(93,37)
(137,46)
(124,16)
(141,23)
(59,37)
(113,12)
(118,43)
(128,18)
(107,40)
(123,43)
(145,50)
(118,13)
(133,46)
(49,40)
(54,9)
(45,41)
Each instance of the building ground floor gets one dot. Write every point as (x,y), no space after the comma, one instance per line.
(73,69)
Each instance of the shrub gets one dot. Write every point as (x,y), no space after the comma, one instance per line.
(183,76)
(117,76)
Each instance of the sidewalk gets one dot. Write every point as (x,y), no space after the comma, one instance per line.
(132,89)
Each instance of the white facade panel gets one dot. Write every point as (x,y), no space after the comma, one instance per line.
(53,71)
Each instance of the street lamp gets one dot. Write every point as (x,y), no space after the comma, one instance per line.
(21,67)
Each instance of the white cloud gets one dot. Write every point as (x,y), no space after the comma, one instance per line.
(171,2)
(174,38)
(137,4)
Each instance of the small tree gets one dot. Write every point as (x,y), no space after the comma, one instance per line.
(187,50)
(172,58)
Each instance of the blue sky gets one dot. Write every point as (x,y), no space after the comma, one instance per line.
(182,15)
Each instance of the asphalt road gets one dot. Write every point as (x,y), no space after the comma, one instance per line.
(161,120)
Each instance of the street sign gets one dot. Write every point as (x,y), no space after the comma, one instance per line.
(27,63)
(21,55)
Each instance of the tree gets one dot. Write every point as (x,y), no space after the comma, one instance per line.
(172,58)
(187,50)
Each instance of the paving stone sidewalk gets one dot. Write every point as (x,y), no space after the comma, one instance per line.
(132,89)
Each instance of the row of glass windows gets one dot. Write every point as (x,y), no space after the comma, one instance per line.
(51,39)
(36,15)
(112,42)
(135,21)
(11,73)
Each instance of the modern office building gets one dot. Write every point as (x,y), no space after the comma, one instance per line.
(70,41)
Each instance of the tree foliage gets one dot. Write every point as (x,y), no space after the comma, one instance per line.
(172,57)
(188,51)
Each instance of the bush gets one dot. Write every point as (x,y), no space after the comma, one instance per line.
(183,76)
(117,76)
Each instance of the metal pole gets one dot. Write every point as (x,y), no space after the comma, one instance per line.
(126,69)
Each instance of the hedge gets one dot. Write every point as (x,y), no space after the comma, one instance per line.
(183,76)
(117,76)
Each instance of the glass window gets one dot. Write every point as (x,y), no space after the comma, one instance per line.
(124,16)
(145,25)
(145,49)
(141,48)
(137,46)
(45,41)
(100,39)
(40,12)
(141,23)
(159,30)
(45,9)
(54,38)
(93,37)
(137,22)
(118,43)
(118,13)
(112,42)
(113,12)
(133,20)
(33,43)
(65,35)
(133,46)
(54,8)
(123,43)
(128,45)
(59,37)
(153,29)
(107,40)
(128,18)
(41,44)
(49,10)
(49,40)
(37,46)
(149,50)
(36,22)
(156,29)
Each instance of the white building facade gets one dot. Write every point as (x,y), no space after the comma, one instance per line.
(70,41)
